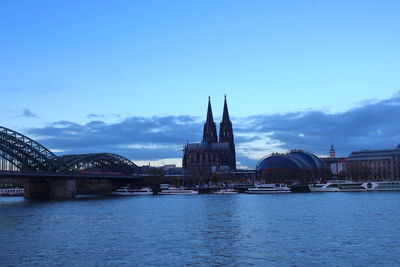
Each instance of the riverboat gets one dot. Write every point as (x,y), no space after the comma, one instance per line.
(177,191)
(11,192)
(268,189)
(226,191)
(349,186)
(128,191)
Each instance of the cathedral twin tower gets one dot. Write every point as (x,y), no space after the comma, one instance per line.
(211,155)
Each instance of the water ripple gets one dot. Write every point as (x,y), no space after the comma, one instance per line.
(204,230)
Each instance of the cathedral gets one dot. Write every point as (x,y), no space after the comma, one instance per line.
(213,153)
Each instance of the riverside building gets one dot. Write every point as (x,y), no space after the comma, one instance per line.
(374,164)
(213,153)
(336,165)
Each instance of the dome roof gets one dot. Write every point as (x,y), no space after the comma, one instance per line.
(295,160)
(276,161)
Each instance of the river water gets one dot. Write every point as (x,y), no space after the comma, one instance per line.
(333,229)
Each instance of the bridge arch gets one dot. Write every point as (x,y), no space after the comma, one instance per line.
(24,153)
(103,162)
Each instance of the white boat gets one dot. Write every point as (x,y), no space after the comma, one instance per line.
(349,186)
(128,191)
(11,192)
(226,191)
(383,186)
(177,191)
(268,189)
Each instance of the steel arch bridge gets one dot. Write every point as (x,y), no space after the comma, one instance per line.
(19,152)
(103,162)
(24,153)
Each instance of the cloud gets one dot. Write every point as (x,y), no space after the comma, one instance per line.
(29,114)
(139,138)
(102,116)
(91,116)
(372,126)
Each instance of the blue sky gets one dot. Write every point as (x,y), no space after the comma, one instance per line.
(69,67)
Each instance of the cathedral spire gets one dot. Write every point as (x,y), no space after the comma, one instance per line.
(210,130)
(225,129)
(225,115)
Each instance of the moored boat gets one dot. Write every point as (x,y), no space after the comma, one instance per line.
(172,190)
(11,192)
(226,191)
(268,189)
(383,186)
(128,191)
(349,186)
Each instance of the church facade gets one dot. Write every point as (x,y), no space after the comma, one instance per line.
(213,153)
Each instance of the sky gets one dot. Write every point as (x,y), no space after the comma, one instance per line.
(133,77)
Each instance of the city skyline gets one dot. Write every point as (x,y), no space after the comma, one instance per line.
(133,78)
(256,136)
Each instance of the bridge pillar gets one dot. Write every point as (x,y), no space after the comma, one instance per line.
(56,189)
(62,189)
(33,190)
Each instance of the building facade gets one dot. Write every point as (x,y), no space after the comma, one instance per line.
(336,165)
(374,164)
(213,152)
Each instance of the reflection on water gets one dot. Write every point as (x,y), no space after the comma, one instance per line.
(291,229)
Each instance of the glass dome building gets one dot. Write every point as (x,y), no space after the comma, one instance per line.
(294,166)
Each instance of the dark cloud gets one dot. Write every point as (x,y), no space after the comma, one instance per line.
(136,137)
(29,114)
(372,126)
